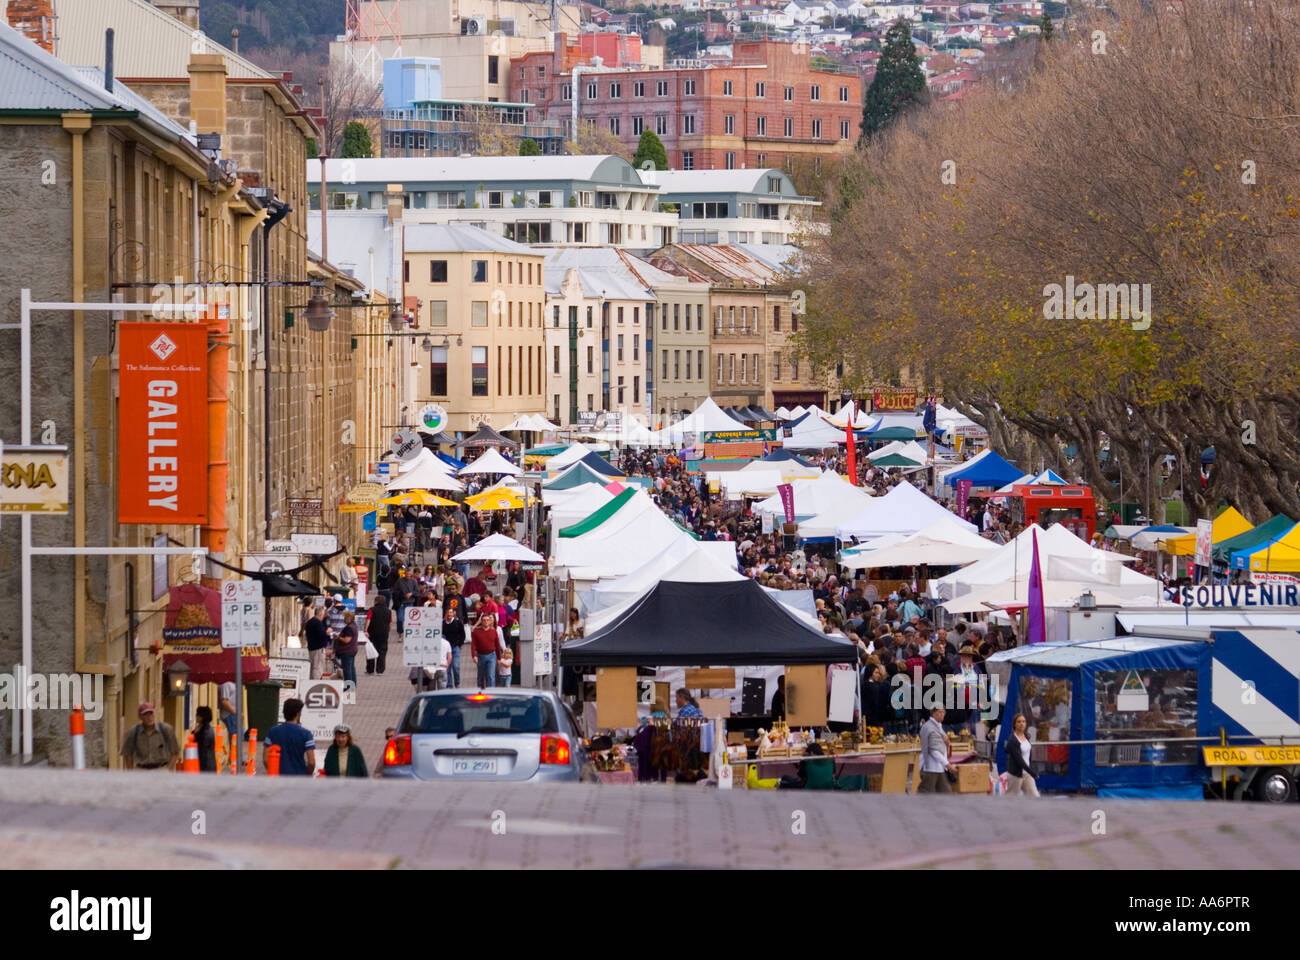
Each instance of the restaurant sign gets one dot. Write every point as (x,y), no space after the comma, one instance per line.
(896,400)
(33,479)
(736,436)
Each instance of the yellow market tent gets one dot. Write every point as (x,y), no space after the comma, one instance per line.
(1280,556)
(497,498)
(1227,524)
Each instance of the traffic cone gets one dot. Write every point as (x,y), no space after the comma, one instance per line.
(191,755)
(77,727)
(252,751)
(220,732)
(272,761)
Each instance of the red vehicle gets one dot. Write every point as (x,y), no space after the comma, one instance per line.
(1045,504)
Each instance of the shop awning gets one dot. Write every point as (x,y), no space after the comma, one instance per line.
(1271,529)
(1227,524)
(1274,556)
(192,632)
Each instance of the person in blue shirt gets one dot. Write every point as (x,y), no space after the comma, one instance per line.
(686,705)
(296,743)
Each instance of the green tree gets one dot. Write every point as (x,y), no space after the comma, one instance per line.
(528,148)
(898,83)
(356,140)
(650,148)
(1046,26)
(313,151)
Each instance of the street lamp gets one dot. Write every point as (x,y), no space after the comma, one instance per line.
(318,313)
(396,320)
(178,678)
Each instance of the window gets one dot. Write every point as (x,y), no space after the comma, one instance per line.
(510,271)
(717,321)
(636,346)
(590,405)
(478,367)
(699,365)
(844,94)
(773,184)
(677,365)
(636,389)
(721,359)
(676,317)
(789,93)
(589,317)
(794,322)
(754,365)
(478,271)
(636,316)
(789,126)
(730,160)
(727,89)
(844,129)
(613,125)
(731,316)
(493,70)
(760,89)
(665,365)
(794,368)
(620,390)
(406,271)
(555,315)
(709,210)
(762,159)
(620,346)
(620,314)
(753,312)
(478,313)
(510,371)
(591,91)
(638,124)
(438,271)
(661,123)
(546,198)
(817,129)
(776,319)
(496,199)
(661,88)
(743,364)
(699,317)
(688,123)
(615,91)
(510,313)
(688,364)
(498,271)
(731,367)
(688,160)
(638,89)
(541,73)
(760,127)
(437,313)
(566,92)
(688,88)
(776,366)
(729,123)
(816,92)
(438,371)
(444,199)
(556,360)
(591,353)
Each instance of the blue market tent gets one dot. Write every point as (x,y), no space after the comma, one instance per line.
(1126,688)
(450,461)
(601,465)
(986,470)
(781,454)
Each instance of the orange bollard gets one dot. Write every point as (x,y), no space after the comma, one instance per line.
(77,727)
(252,751)
(273,761)
(191,755)
(220,733)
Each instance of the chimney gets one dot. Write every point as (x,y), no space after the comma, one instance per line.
(108,59)
(394,196)
(34,19)
(234,39)
(208,93)
(186,11)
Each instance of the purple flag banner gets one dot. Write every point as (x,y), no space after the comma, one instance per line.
(787,501)
(1037,619)
(963,496)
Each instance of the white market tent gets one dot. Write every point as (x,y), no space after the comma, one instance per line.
(632,433)
(946,542)
(707,418)
(783,413)
(904,509)
(903,448)
(530,422)
(1063,557)
(1027,478)
(499,547)
(425,472)
(814,433)
(569,456)
(567,507)
(747,483)
(619,544)
(823,494)
(491,462)
(1151,539)
(861,421)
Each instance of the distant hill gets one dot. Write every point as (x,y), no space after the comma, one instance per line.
(298,26)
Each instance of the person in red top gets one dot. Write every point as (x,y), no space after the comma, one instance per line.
(474,585)
(485,642)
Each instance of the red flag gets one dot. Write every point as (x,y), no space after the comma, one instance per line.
(852,455)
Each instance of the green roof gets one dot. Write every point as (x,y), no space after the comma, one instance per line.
(1266,532)
(895,460)
(591,522)
(576,477)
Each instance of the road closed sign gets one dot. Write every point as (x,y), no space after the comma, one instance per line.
(322,709)
(1252,756)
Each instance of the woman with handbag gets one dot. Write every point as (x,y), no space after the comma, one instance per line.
(1021,777)
(346,646)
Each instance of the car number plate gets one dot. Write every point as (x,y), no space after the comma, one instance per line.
(472,767)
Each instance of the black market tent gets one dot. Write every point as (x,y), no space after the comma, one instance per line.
(487,437)
(780,454)
(761,414)
(731,623)
(432,440)
(601,465)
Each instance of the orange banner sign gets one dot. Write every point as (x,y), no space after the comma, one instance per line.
(162,412)
(891,399)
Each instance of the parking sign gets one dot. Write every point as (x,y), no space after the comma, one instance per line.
(422,640)
(241,613)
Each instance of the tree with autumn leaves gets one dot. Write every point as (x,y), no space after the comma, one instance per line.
(1149,146)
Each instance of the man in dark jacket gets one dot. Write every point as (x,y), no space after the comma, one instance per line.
(404,590)
(453,631)
(318,640)
(377,628)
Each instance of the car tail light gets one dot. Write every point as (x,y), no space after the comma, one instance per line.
(555,749)
(398,751)
(478,697)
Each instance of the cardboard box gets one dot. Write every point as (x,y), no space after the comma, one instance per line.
(972,778)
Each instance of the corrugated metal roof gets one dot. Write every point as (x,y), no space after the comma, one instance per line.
(94,76)
(598,168)
(731,262)
(147,41)
(602,271)
(449,238)
(718,181)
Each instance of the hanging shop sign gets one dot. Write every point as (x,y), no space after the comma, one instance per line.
(433,417)
(898,400)
(305,509)
(33,479)
(162,408)
(407,444)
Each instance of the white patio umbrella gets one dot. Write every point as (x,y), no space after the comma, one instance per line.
(499,547)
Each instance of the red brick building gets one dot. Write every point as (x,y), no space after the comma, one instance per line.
(766,105)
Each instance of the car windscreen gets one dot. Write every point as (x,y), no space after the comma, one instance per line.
(460,714)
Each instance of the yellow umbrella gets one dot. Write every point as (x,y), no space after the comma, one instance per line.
(418,498)
(497,498)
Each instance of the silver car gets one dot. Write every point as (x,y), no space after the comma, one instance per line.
(496,734)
